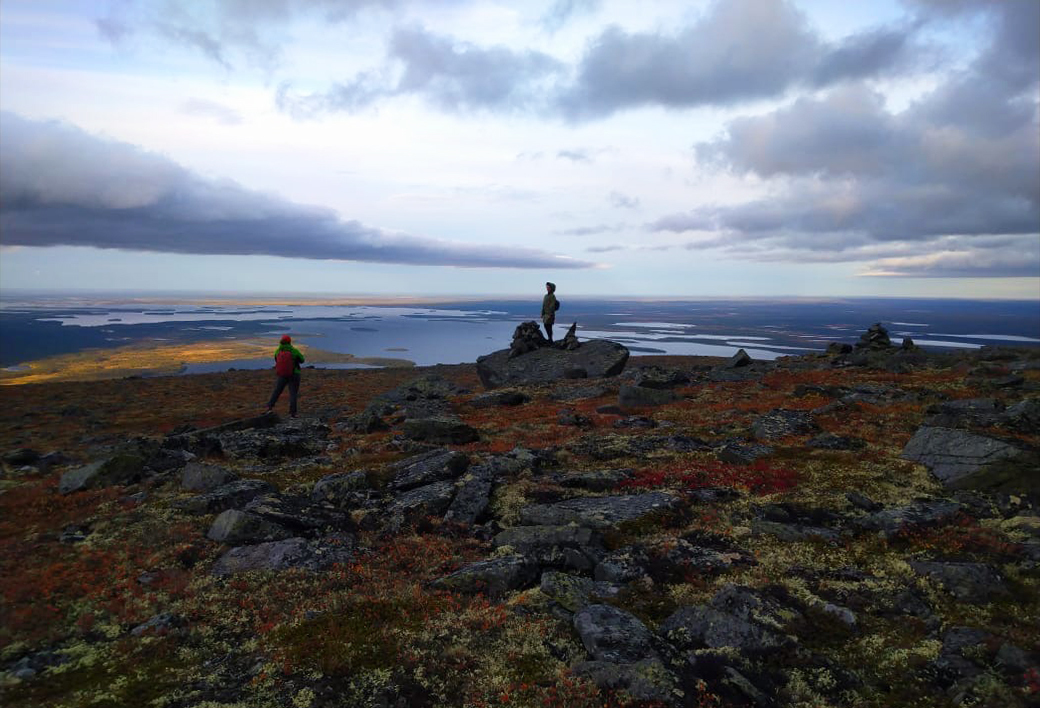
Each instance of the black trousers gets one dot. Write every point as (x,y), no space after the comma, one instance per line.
(293,382)
(548,323)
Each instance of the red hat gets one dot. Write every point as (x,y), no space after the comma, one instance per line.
(286,339)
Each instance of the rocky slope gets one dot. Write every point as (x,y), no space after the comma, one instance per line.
(852,529)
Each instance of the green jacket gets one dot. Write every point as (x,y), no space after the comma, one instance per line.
(295,353)
(549,306)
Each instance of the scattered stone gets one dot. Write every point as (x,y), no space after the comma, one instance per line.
(503,397)
(737,617)
(595,480)
(569,546)
(337,488)
(198,477)
(365,422)
(21,456)
(648,680)
(611,634)
(656,377)
(574,592)
(838,349)
(920,514)
(793,532)
(569,416)
(160,624)
(636,421)
(496,576)
(639,397)
(624,565)
(977,583)
(739,453)
(598,512)
(237,528)
(229,496)
(782,423)
(862,501)
(830,441)
(441,430)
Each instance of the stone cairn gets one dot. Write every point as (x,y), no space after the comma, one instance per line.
(528,337)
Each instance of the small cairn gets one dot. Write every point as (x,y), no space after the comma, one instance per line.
(528,337)
(876,338)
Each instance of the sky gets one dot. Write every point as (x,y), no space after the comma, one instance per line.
(709,148)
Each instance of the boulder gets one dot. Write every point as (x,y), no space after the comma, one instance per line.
(121,469)
(597,358)
(656,377)
(496,576)
(574,592)
(567,546)
(963,460)
(741,358)
(472,495)
(595,480)
(237,528)
(876,337)
(432,466)
(977,583)
(229,496)
(598,512)
(290,553)
(335,488)
(920,514)
(198,477)
(440,430)
(611,634)
(740,453)
(737,617)
(429,500)
(648,680)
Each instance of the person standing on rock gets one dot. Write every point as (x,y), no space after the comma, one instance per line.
(549,307)
(287,360)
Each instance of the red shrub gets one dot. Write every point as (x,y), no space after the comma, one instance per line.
(758,477)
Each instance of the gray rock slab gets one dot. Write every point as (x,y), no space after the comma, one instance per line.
(473,493)
(952,456)
(290,553)
(597,357)
(199,477)
(921,513)
(495,576)
(237,528)
(595,480)
(793,532)
(335,488)
(567,546)
(977,583)
(598,512)
(707,627)
(611,634)
(647,680)
(118,470)
(229,496)
(429,467)
(429,500)
(440,430)
(575,592)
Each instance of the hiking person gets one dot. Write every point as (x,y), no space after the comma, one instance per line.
(549,307)
(287,360)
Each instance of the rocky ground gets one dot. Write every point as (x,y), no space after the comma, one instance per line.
(856,528)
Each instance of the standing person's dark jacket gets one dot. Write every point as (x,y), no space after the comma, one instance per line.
(292,380)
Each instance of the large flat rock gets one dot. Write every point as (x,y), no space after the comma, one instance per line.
(595,358)
(598,512)
(960,459)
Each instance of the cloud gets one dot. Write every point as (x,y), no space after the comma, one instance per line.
(60,186)
(740,50)
(621,201)
(562,11)
(604,249)
(452,75)
(575,155)
(845,172)
(210,109)
(591,230)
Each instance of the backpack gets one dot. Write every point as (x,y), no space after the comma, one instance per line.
(556,306)
(284,363)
